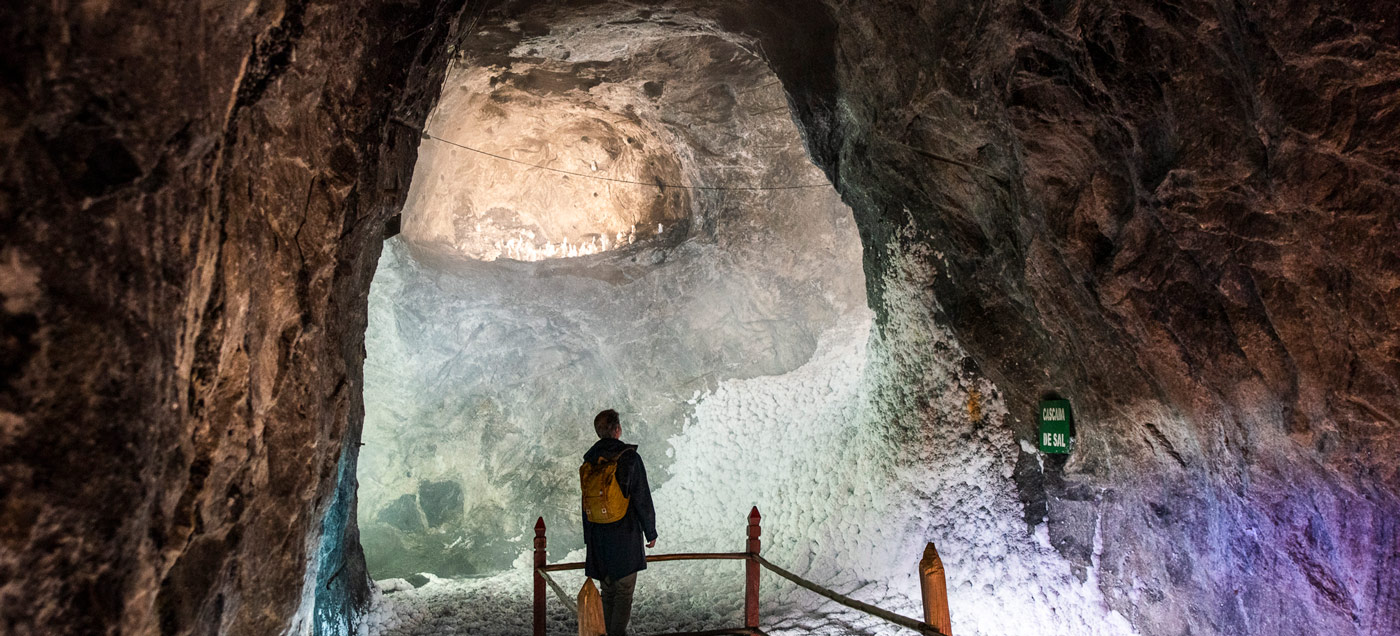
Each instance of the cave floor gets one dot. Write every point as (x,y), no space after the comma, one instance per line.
(499,605)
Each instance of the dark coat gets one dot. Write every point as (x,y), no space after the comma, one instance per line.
(617,549)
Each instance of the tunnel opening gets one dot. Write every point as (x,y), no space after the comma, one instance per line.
(598,218)
(527,290)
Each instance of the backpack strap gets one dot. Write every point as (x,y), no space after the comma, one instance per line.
(617,456)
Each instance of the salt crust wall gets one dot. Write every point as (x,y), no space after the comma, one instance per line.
(850,488)
(483,376)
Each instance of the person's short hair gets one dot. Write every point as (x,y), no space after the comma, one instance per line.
(605,423)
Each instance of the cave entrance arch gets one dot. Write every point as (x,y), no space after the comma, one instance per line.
(589,226)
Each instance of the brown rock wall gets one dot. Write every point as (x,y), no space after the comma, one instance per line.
(1180,216)
(192,203)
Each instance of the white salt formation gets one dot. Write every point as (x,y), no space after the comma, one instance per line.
(506,171)
(849,498)
(487,361)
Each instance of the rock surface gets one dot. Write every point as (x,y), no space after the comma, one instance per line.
(1178,215)
(193,197)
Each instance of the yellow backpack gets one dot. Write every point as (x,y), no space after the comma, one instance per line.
(603,500)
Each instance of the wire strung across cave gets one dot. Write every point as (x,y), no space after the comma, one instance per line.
(656,184)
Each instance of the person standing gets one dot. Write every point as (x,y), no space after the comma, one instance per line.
(617,518)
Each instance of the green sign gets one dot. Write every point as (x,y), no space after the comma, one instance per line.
(1056,427)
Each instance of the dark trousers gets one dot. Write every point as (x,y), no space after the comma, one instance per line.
(617,603)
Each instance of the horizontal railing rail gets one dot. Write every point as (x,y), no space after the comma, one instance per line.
(720,632)
(935,595)
(902,621)
(658,558)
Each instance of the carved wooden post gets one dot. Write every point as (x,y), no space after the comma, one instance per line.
(751,572)
(539,576)
(590,611)
(935,589)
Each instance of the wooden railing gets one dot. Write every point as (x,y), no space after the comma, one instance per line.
(934,587)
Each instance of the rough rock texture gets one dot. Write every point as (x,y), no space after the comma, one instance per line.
(529,114)
(192,203)
(1180,215)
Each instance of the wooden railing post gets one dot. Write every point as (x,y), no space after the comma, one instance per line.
(935,589)
(539,576)
(751,572)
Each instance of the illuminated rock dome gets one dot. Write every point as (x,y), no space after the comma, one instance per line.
(533,164)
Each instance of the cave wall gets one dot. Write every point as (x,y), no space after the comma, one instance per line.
(1181,217)
(192,201)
